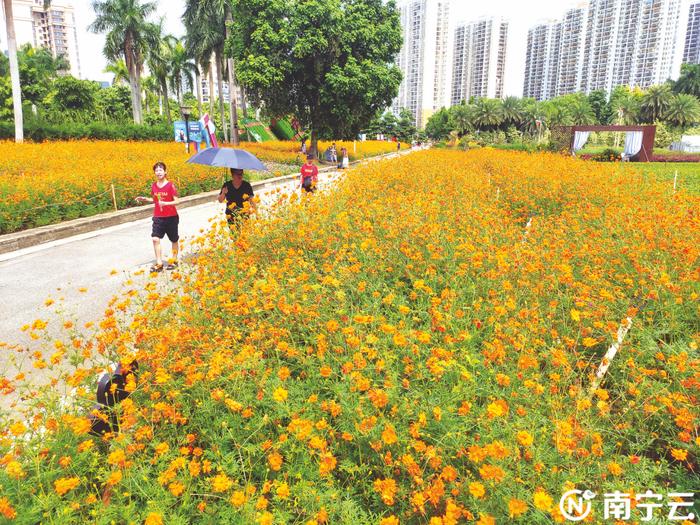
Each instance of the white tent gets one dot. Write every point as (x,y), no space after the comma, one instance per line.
(689,143)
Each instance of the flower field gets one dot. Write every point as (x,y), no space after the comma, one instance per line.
(418,346)
(46,183)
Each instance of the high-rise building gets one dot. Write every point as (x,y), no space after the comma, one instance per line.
(425,58)
(478,68)
(607,44)
(52,28)
(691,51)
(570,55)
(542,60)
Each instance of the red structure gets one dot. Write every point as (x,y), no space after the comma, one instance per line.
(648,134)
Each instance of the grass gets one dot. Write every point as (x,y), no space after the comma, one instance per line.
(688,173)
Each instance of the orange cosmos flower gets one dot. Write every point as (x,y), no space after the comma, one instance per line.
(65,485)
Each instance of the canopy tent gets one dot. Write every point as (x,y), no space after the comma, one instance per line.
(639,140)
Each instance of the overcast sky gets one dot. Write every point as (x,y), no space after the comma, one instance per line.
(520,14)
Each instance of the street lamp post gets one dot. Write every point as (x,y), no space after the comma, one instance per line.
(186,112)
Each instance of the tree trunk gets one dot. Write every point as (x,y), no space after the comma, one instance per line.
(314,144)
(14,71)
(198,80)
(211,91)
(233,110)
(134,78)
(220,84)
(164,89)
(244,105)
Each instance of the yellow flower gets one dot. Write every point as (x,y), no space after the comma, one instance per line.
(614,468)
(542,500)
(14,470)
(589,341)
(283,491)
(65,485)
(221,483)
(238,498)
(280,394)
(525,438)
(516,507)
(477,490)
(679,454)
(275,461)
(153,518)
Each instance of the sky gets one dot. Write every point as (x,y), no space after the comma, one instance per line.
(521,16)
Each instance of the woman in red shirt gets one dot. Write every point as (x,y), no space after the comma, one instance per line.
(165,217)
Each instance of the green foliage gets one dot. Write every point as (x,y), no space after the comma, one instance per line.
(72,94)
(598,102)
(37,68)
(438,126)
(41,131)
(664,136)
(689,81)
(328,63)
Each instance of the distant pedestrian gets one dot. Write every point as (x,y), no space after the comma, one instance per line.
(334,153)
(303,147)
(309,175)
(165,218)
(398,146)
(236,192)
(344,160)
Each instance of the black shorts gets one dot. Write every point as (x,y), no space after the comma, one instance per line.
(166,226)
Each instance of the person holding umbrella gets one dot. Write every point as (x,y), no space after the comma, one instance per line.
(236,192)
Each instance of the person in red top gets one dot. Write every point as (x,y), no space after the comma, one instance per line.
(309,175)
(165,217)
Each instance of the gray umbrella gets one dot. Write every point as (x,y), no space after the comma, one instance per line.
(227,158)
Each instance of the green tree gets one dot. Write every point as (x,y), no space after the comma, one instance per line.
(512,111)
(389,124)
(683,111)
(689,81)
(328,63)
(159,62)
(655,102)
(460,119)
(119,70)
(114,103)
(129,35)
(182,69)
(75,95)
(37,69)
(487,113)
(438,125)
(581,112)
(625,105)
(598,101)
(405,128)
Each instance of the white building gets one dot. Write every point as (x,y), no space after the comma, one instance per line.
(542,60)
(691,51)
(610,43)
(52,28)
(479,59)
(425,58)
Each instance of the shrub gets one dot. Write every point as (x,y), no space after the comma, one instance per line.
(41,131)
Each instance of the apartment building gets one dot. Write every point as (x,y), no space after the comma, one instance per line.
(425,58)
(606,44)
(53,28)
(479,59)
(542,60)
(691,50)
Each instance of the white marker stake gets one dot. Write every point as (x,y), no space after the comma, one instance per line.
(610,354)
(498,193)
(675,178)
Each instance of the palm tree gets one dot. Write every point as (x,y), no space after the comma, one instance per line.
(14,71)
(129,35)
(486,113)
(655,102)
(512,110)
(205,40)
(159,64)
(625,109)
(689,81)
(534,121)
(182,68)
(460,118)
(581,112)
(683,111)
(216,14)
(119,70)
